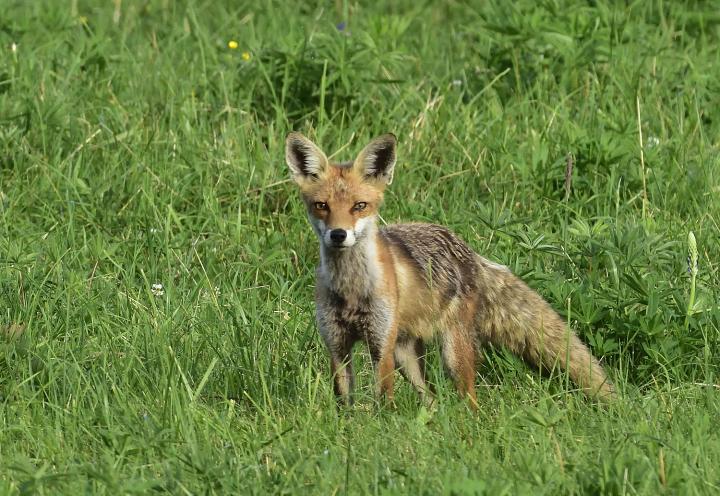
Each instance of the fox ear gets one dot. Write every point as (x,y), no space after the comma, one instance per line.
(303,157)
(377,159)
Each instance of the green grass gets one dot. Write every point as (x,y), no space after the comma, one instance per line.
(136,148)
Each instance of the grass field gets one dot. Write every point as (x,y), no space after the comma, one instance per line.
(137,149)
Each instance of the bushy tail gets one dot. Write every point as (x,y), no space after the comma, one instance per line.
(518,318)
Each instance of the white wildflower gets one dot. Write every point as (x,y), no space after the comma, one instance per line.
(652,141)
(205,294)
(158,289)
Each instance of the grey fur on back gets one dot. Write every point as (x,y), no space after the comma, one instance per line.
(444,259)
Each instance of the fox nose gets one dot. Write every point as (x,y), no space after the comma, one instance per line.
(337,236)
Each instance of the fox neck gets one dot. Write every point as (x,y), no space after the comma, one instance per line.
(353,272)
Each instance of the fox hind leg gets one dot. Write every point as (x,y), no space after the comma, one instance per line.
(458,352)
(410,358)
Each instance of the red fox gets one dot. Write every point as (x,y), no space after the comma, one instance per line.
(395,287)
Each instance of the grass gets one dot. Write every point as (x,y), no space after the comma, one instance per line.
(137,148)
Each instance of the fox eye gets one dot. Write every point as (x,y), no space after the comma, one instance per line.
(321,206)
(359,206)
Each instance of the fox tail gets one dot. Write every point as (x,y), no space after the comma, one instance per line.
(524,322)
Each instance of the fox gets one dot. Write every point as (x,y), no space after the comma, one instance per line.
(399,286)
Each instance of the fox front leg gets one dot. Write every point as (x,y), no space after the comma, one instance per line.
(343,376)
(339,345)
(381,342)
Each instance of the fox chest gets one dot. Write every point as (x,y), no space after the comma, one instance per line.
(361,319)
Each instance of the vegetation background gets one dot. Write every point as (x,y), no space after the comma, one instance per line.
(156,268)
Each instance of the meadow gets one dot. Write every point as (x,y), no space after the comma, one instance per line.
(157,325)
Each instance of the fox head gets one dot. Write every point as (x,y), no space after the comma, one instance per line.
(342,199)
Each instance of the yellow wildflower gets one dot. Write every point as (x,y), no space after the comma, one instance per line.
(232,44)
(245,56)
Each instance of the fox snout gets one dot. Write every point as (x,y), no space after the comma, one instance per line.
(338,238)
(336,234)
